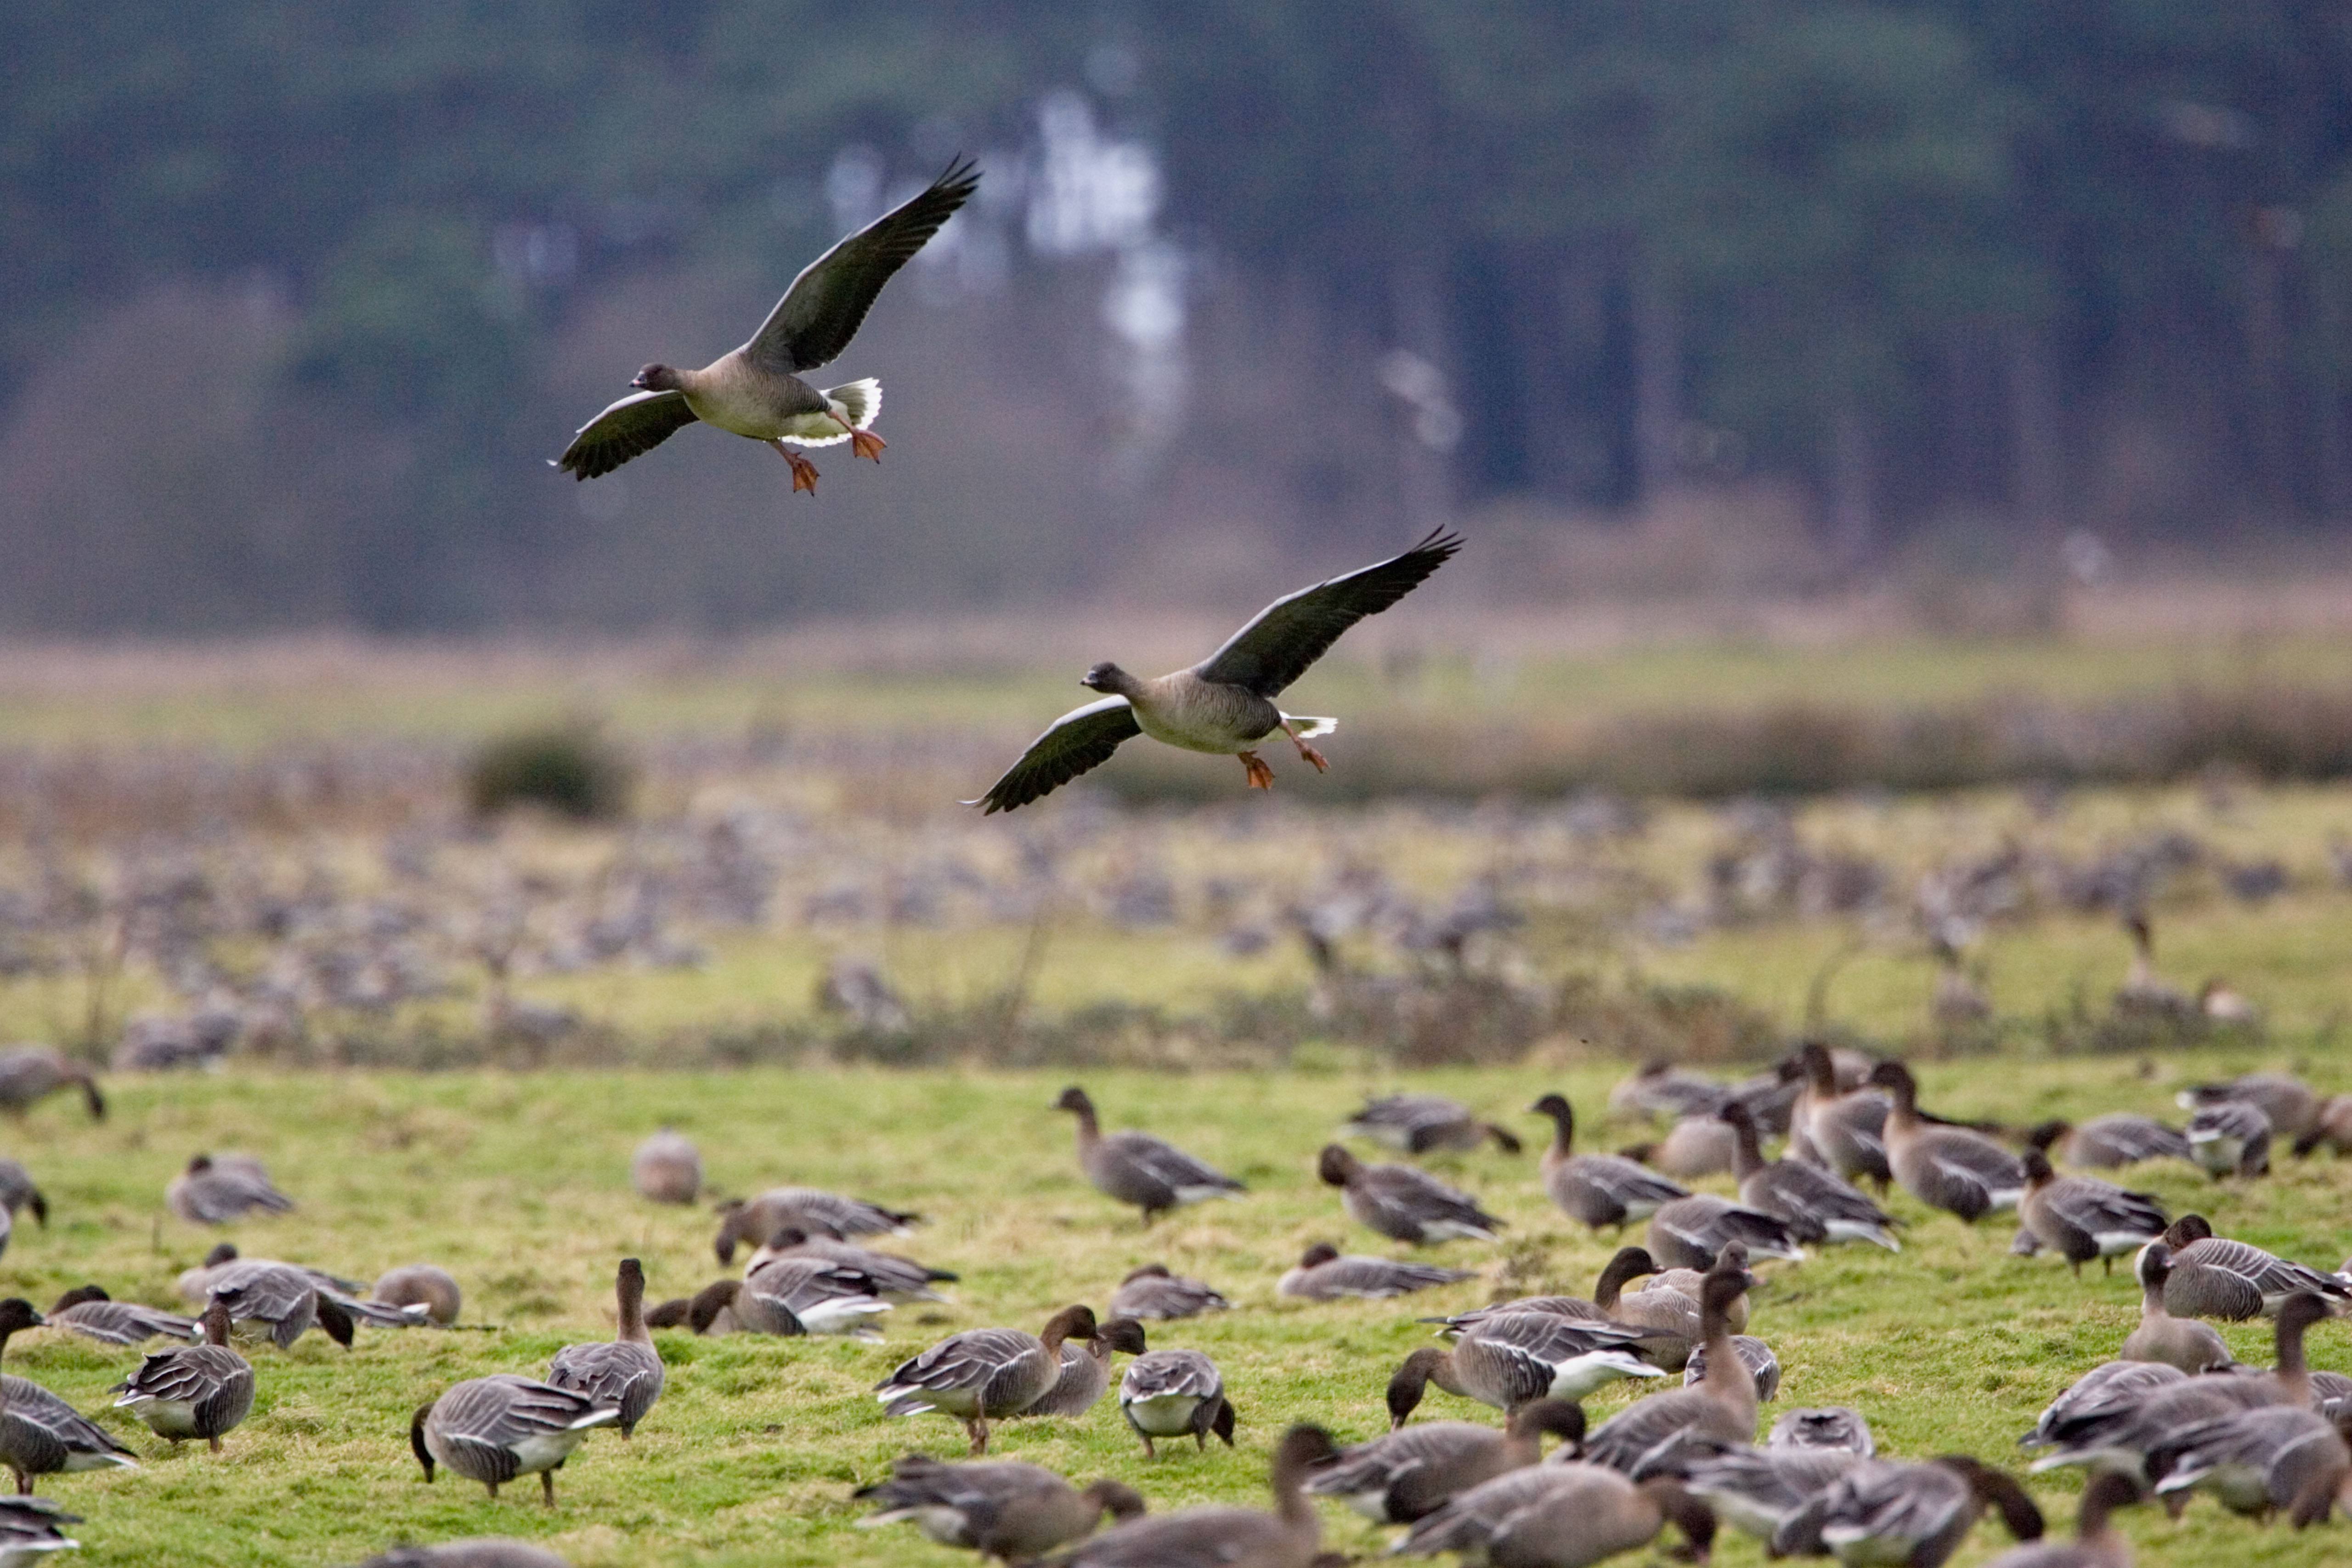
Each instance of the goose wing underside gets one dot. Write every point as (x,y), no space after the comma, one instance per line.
(629,428)
(1077,743)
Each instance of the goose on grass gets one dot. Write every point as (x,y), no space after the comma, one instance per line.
(492,1429)
(2081,1217)
(1891,1510)
(1002,1509)
(40,1434)
(1561,1516)
(1954,1169)
(1597,1189)
(625,1372)
(1516,1359)
(1172,1394)
(1137,1168)
(1215,1537)
(1414,1471)
(1418,1123)
(192,1391)
(2183,1343)
(1403,1203)
(985,1374)
(1323,1274)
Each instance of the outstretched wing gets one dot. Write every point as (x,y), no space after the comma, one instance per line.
(1081,739)
(1296,630)
(629,428)
(828,302)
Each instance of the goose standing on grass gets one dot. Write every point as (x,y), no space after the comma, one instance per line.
(2231,1138)
(815,1211)
(40,1434)
(1322,1274)
(1816,1206)
(667,1168)
(2107,1141)
(1833,1125)
(1402,1203)
(29,1074)
(1719,1409)
(1693,1148)
(2213,1277)
(984,1374)
(2183,1343)
(2279,1458)
(216,1189)
(790,1297)
(895,1278)
(90,1311)
(1950,1168)
(2099,1398)
(1224,704)
(2097,1544)
(1757,1490)
(1006,1509)
(1514,1360)
(1670,1318)
(1414,1471)
(1597,1189)
(1889,1511)
(2081,1217)
(757,391)
(2145,992)
(1561,1516)
(1085,1368)
(1215,1537)
(277,1301)
(1151,1291)
(492,1429)
(17,1193)
(1658,1088)
(1137,1168)
(1173,1393)
(625,1372)
(1689,1232)
(413,1285)
(192,1391)
(1418,1123)
(2291,1105)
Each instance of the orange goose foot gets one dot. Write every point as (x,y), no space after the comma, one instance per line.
(1322,763)
(865,444)
(1260,775)
(803,471)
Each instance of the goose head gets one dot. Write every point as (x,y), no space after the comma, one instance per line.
(1336,1166)
(416,1441)
(1106,677)
(656,378)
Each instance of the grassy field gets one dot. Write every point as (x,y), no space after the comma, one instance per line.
(517,1185)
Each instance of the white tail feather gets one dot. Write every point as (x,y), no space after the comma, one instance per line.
(1310,729)
(863,399)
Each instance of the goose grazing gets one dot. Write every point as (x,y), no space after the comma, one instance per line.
(667,1168)
(2213,1277)
(814,1211)
(1958,1001)
(1414,1471)
(1950,1168)
(2279,1457)
(2102,1397)
(1224,704)
(2145,992)
(1689,1232)
(1561,1516)
(790,1296)
(420,1285)
(895,1278)
(17,1193)
(29,1074)
(1170,1394)
(1418,1123)
(1670,1317)
(1833,1426)
(1290,1537)
(2183,1343)
(1402,1203)
(40,1434)
(31,1528)
(2292,1107)
(280,1301)
(1888,1510)
(1757,1490)
(1003,1508)
(757,390)
(90,1311)
(1151,1291)
(1814,1204)
(1322,1274)
(2333,1129)
(1720,1408)
(1517,1358)
(1137,1168)
(192,1391)
(2107,1141)
(1841,1128)
(2081,1217)
(984,1374)
(1694,1147)
(2097,1544)
(1662,1088)
(1754,1354)
(1086,1369)
(1597,1189)
(625,1372)
(2231,1138)
(481,1551)
(218,1189)
(492,1429)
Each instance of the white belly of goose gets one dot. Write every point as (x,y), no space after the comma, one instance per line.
(840,1314)
(1162,1415)
(547,1450)
(165,1417)
(1857,1547)
(1580,1375)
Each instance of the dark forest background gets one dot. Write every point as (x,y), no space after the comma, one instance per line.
(298,298)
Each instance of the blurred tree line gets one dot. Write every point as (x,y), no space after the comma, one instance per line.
(1933,260)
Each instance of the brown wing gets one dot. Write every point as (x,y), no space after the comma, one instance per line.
(629,428)
(1081,739)
(1296,630)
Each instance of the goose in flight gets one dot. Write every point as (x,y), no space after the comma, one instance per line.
(1224,704)
(757,390)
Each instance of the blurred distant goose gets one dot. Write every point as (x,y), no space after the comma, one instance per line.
(88,1311)
(483,1552)
(1949,1168)
(757,390)
(2231,1138)
(1662,1088)
(192,1391)
(32,1073)
(1597,1189)
(40,1434)
(1959,1001)
(1414,1471)
(1173,1393)
(2097,1544)
(1417,1123)
(984,1374)
(2281,1457)
(1693,1147)
(815,1211)
(1754,1354)
(1006,1509)
(1835,1426)
(421,1285)
(895,1278)
(1559,1516)
(1815,1205)
(1757,1490)
(1152,1291)
(31,1528)
(2213,1277)
(214,1190)
(625,1372)
(1137,1168)
(2144,990)
(2334,1128)
(2081,1217)
(2290,1103)
(1890,1511)
(1403,1203)
(1213,1536)
(2184,1342)
(492,1429)
(1833,1125)
(1517,1358)
(1224,704)
(1689,1232)
(1321,1274)
(667,1168)
(1719,1409)
(2105,1142)
(17,1193)
(791,1296)
(1085,1374)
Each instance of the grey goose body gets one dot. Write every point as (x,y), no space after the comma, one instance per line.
(1837,1125)
(1815,1205)
(1151,1291)
(1218,1537)
(2081,1217)
(1173,1394)
(1085,1375)
(2231,1138)
(2100,1397)
(2283,1458)
(2216,1277)
(1836,1427)
(88,1311)
(1688,1233)
(1658,1088)
(1756,1490)
(192,1391)
(2287,1103)
(1000,1509)
(40,1434)
(667,1168)
(1892,1511)
(1413,1471)
(790,1297)
(31,1528)
(424,1285)
(1718,1410)
(2182,1343)
(218,1189)
(625,1372)
(1954,1169)
(984,1374)
(1323,1274)
(815,1211)
(1597,1189)
(1559,1516)
(493,1429)
(30,1074)
(1403,1203)
(894,1279)
(1137,1168)
(1754,1354)
(2104,1143)
(1516,1358)
(1419,1124)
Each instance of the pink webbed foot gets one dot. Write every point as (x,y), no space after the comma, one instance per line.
(803,471)
(865,444)
(1260,775)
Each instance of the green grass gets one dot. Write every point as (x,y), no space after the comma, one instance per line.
(517,1185)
